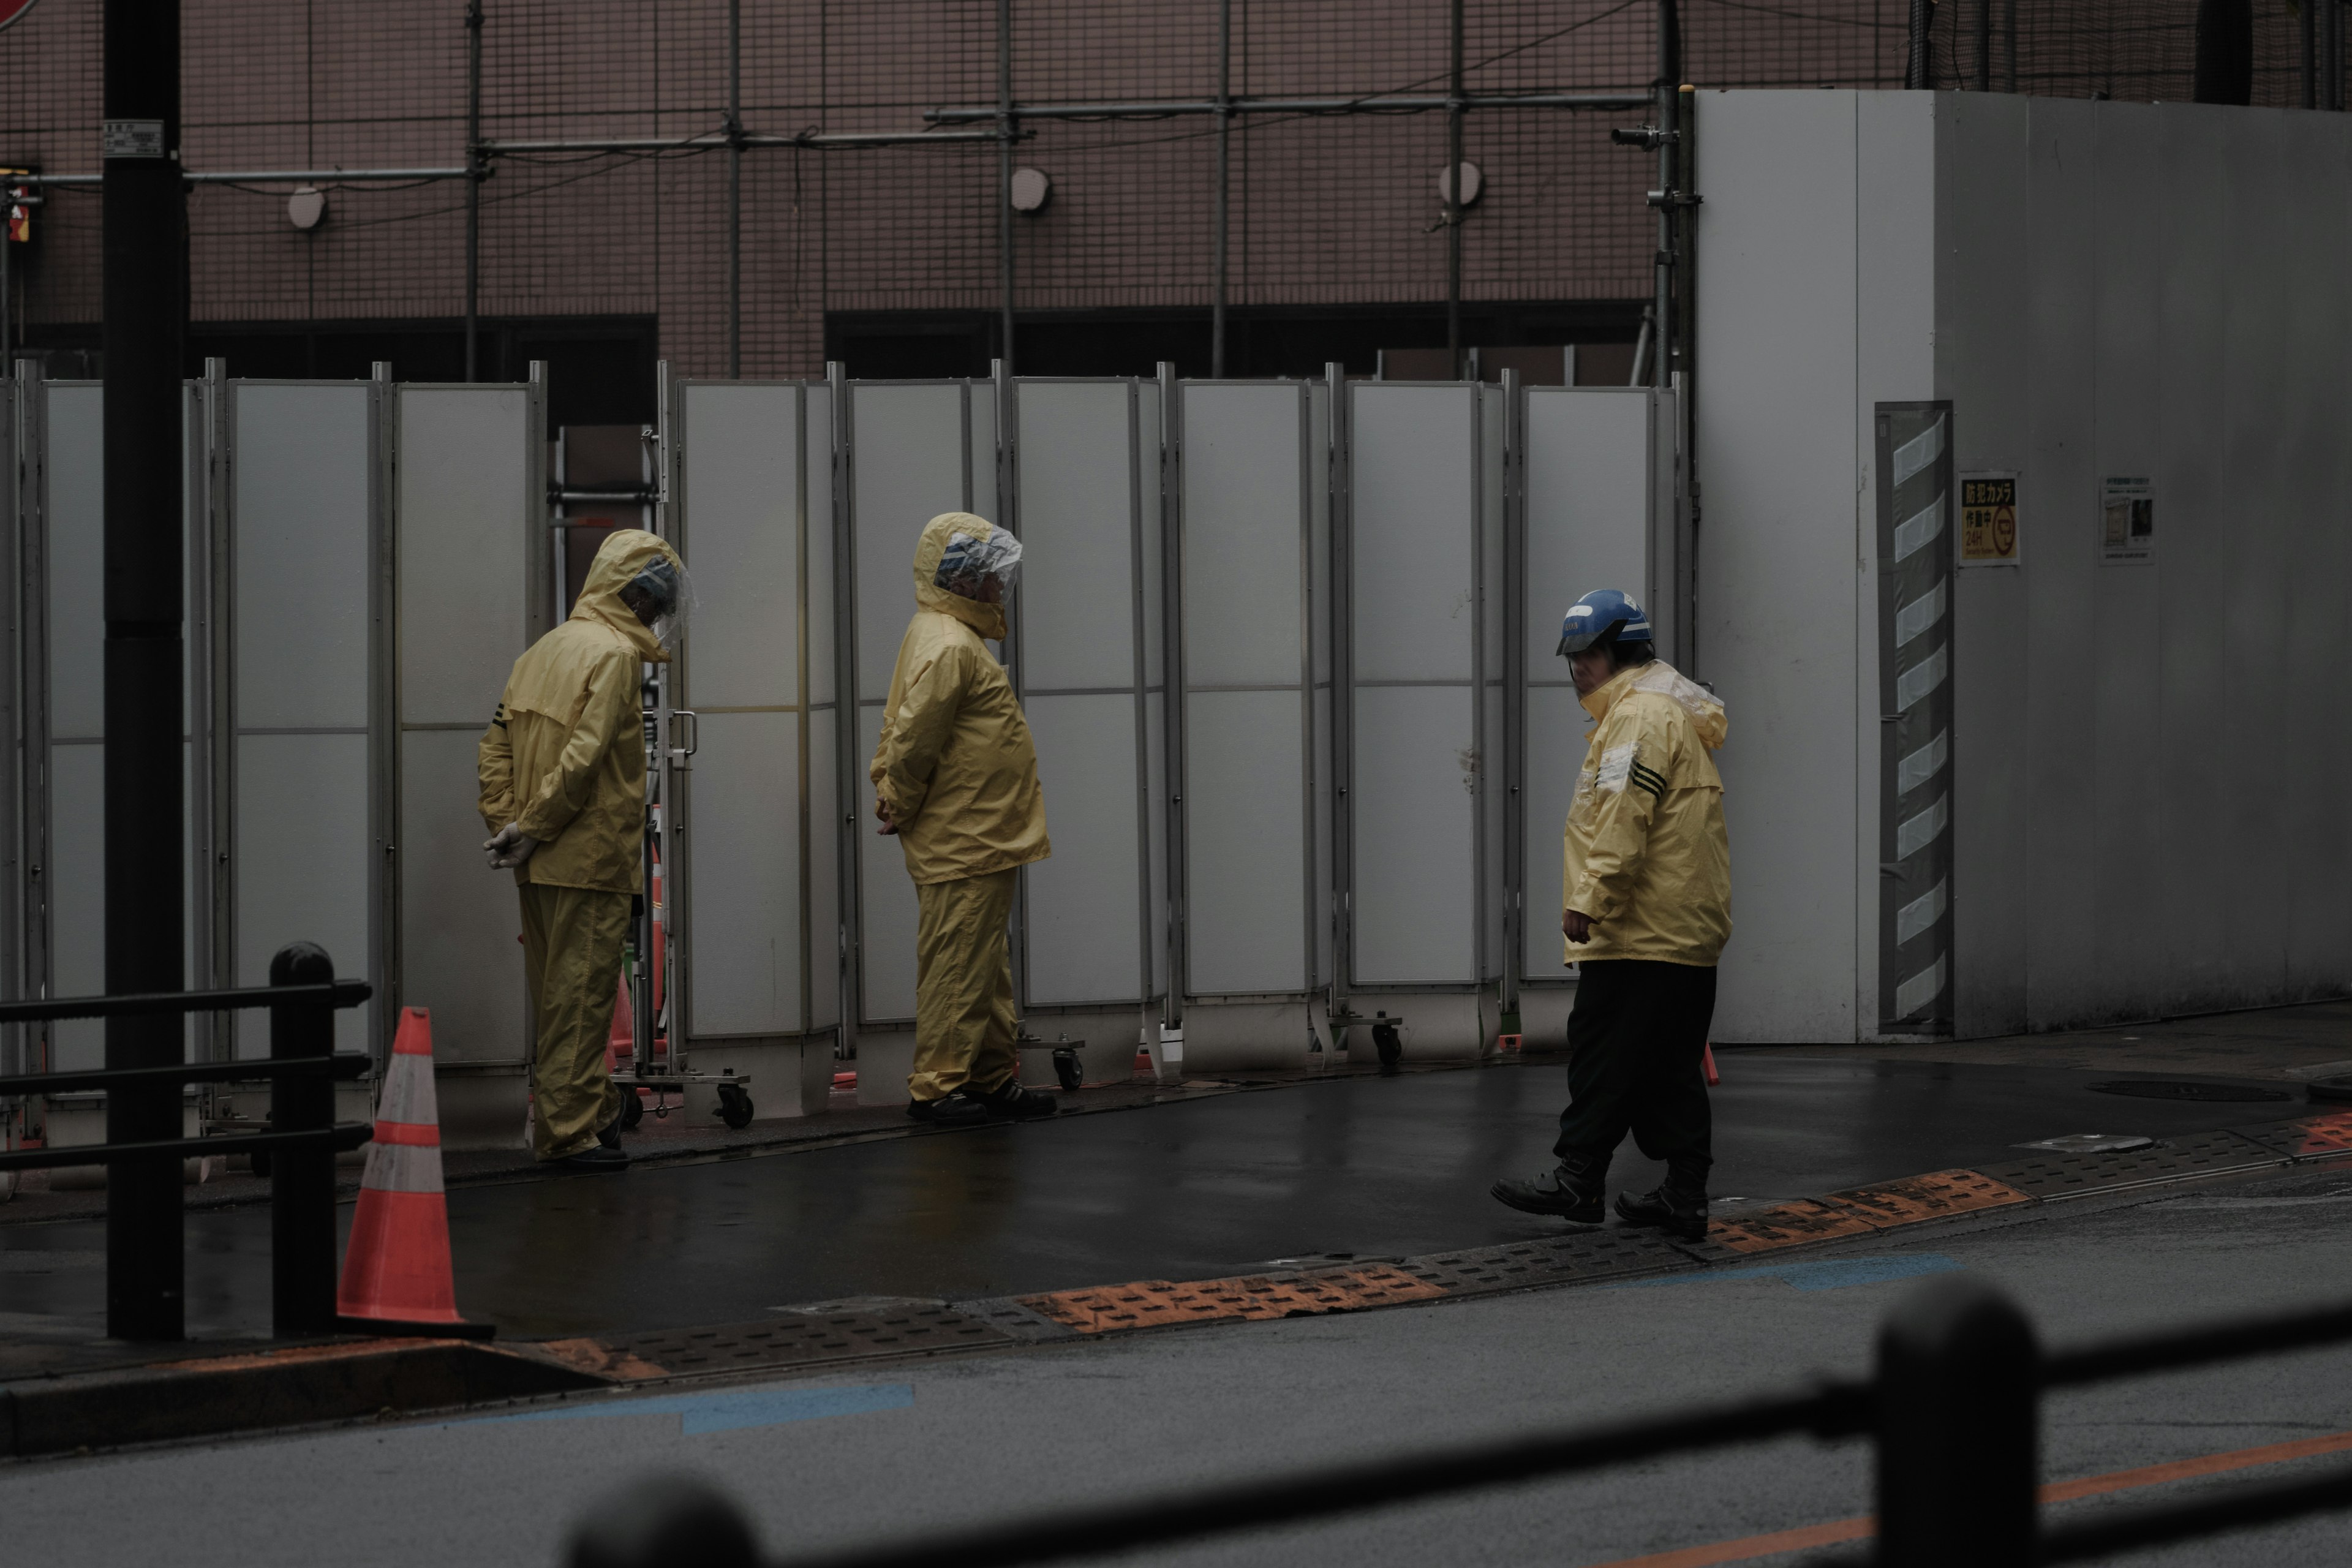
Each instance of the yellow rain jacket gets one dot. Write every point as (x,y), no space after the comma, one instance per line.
(564,758)
(1646,856)
(955,766)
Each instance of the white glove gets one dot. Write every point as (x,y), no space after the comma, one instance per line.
(510,848)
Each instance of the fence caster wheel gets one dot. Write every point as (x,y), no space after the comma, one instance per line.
(633,1108)
(1385,1039)
(1067,1071)
(734,1107)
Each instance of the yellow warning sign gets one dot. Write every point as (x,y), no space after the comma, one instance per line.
(1989,520)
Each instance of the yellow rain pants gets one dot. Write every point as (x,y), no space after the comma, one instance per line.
(571,940)
(964,986)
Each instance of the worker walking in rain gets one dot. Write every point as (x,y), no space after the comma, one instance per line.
(955,778)
(1646,908)
(563,774)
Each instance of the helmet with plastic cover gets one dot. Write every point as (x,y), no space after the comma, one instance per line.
(1602,619)
(970,559)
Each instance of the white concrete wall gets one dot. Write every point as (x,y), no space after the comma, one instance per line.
(2145,763)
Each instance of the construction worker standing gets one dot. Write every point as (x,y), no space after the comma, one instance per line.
(1646,908)
(955,778)
(562,774)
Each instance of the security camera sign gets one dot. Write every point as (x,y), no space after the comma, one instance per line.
(12,9)
(1989,520)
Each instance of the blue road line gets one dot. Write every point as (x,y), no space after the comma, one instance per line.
(701,1412)
(1832,1274)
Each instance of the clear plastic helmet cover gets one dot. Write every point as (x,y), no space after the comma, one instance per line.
(671,590)
(968,561)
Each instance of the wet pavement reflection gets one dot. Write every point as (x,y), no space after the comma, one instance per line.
(1364,1166)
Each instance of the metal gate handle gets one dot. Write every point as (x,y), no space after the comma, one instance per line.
(693,731)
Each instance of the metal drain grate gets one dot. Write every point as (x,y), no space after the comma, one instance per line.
(2052,1177)
(1007,1313)
(1596,1255)
(797,1339)
(1932,1196)
(1783,1225)
(2182,1088)
(1155,1303)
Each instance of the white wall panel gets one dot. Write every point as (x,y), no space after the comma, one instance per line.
(1424,495)
(1078,626)
(1251,469)
(463,515)
(824,741)
(303,467)
(744,523)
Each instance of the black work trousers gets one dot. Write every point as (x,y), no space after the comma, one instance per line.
(1635,1041)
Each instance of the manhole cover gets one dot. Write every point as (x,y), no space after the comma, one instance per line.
(2090,1143)
(2338,1086)
(2178,1089)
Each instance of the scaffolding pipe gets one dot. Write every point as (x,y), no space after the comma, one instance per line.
(1372,104)
(2307,23)
(258,176)
(1224,182)
(1919,66)
(1453,199)
(474,156)
(1004,129)
(1667,105)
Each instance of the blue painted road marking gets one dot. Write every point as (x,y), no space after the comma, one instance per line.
(1834,1274)
(700,1413)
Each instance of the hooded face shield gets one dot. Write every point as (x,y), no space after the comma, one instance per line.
(970,561)
(662,587)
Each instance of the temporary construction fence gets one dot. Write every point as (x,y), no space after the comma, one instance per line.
(1350,584)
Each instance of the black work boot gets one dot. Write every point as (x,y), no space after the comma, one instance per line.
(1010,1099)
(1576,1191)
(1678,1207)
(956,1108)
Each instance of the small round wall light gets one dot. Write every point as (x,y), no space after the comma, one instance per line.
(1032,189)
(306,207)
(1474,185)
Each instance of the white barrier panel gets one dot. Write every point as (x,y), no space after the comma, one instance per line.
(751,509)
(15,471)
(1599,504)
(307,534)
(1256,680)
(1087,634)
(65,808)
(466,511)
(1426,683)
(915,449)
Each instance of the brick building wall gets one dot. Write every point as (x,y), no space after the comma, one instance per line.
(1327,210)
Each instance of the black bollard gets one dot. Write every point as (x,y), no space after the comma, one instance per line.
(302,1180)
(662,1521)
(1958,1381)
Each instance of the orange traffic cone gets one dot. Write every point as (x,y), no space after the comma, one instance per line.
(1706,1065)
(621,1041)
(397,1268)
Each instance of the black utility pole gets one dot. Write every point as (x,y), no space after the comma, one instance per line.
(146,310)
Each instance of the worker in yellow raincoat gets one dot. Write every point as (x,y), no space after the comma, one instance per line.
(563,774)
(1646,908)
(955,778)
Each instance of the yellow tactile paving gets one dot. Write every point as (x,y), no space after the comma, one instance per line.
(1786,1225)
(1931,1196)
(1152,1303)
(2323,1134)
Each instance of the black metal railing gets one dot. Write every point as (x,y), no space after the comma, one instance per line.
(1953,1413)
(302,1067)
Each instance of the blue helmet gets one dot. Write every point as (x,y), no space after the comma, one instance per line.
(1602,617)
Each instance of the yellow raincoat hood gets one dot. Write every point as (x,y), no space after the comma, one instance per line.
(988,620)
(624,554)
